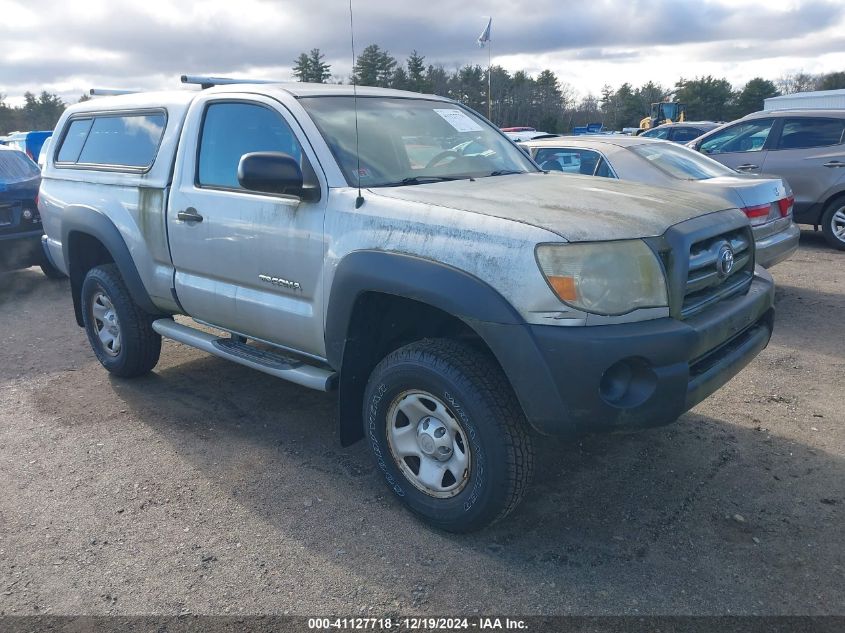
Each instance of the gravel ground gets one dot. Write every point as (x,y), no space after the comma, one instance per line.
(206,487)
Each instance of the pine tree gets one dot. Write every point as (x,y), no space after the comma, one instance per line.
(319,71)
(399,81)
(416,73)
(374,67)
(302,67)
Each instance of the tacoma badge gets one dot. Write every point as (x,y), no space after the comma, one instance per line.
(278,281)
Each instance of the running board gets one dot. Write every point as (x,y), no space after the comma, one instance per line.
(284,367)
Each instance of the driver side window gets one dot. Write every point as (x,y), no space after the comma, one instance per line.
(743,137)
(232,129)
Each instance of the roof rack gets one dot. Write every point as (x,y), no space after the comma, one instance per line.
(210,82)
(108,92)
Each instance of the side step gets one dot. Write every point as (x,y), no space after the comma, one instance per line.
(277,365)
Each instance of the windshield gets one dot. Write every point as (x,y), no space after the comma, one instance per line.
(412,141)
(658,132)
(681,162)
(670,110)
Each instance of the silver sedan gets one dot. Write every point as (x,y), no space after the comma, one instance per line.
(766,201)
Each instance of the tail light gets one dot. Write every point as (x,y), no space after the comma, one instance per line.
(758,214)
(762,213)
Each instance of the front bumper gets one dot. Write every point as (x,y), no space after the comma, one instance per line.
(572,380)
(777,247)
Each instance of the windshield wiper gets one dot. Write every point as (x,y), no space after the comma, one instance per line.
(505,172)
(419,180)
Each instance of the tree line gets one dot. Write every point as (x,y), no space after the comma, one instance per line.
(543,101)
(36,113)
(547,103)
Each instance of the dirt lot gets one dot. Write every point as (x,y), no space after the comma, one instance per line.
(209,488)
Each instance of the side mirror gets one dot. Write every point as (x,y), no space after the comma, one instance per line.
(272,172)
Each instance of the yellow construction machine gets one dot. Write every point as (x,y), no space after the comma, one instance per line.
(665,112)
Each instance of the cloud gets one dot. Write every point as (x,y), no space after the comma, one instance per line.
(68,46)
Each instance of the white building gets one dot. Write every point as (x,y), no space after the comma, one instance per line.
(817,100)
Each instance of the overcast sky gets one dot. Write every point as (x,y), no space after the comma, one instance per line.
(69,46)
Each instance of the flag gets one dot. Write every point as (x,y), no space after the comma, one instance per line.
(485,34)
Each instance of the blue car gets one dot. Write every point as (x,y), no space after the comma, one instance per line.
(28,142)
(20,224)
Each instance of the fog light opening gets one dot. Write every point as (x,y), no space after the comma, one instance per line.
(628,383)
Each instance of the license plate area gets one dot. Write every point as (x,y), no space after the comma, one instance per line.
(5,215)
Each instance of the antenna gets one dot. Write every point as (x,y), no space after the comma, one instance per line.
(360,199)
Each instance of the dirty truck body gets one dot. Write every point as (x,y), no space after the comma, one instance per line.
(462,298)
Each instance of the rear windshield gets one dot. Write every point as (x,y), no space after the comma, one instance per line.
(681,162)
(108,140)
(15,166)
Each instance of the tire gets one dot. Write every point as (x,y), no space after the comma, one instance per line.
(50,271)
(120,333)
(478,461)
(833,223)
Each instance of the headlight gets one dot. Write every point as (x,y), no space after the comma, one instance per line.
(608,278)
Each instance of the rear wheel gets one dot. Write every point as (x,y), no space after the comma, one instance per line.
(120,333)
(833,224)
(448,434)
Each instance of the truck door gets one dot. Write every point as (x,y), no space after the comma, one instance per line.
(245,261)
(742,146)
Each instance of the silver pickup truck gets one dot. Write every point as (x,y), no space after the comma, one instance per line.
(399,249)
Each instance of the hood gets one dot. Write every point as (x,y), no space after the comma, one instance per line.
(578,208)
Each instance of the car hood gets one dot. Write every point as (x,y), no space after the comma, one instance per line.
(578,208)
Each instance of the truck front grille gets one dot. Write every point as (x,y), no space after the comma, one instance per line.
(710,278)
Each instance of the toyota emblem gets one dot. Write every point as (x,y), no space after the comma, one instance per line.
(725,261)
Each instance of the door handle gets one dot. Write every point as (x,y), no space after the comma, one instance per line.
(189,215)
(746,167)
(835,163)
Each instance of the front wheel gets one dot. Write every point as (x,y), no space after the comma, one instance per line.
(833,224)
(120,332)
(448,434)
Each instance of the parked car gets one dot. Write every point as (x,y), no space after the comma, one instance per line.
(20,223)
(680,132)
(766,201)
(28,142)
(450,303)
(805,147)
(517,134)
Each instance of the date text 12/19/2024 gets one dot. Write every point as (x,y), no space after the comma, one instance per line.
(416,624)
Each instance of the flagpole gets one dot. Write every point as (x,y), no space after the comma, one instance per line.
(489,80)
